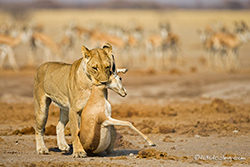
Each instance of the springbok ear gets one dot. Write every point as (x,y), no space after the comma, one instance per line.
(123,70)
(85,53)
(107,48)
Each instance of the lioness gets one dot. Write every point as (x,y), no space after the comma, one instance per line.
(69,86)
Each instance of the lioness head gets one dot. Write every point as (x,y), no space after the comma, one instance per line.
(97,63)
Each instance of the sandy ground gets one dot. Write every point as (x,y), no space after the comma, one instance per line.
(192,118)
(194,114)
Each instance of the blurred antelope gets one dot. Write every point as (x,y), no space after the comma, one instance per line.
(97,36)
(5,28)
(68,41)
(160,43)
(134,43)
(7,45)
(172,41)
(46,43)
(38,39)
(223,43)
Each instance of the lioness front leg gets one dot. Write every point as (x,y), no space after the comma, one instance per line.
(78,151)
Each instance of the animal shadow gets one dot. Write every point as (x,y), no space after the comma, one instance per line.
(57,150)
(116,152)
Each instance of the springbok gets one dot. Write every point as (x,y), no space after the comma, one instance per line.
(38,39)
(224,42)
(172,41)
(68,41)
(7,45)
(46,43)
(160,43)
(97,132)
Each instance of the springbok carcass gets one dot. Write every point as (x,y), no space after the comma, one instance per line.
(97,132)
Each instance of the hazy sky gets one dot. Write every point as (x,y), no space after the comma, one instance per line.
(173,2)
(160,1)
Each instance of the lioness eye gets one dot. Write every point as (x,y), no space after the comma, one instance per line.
(108,67)
(94,68)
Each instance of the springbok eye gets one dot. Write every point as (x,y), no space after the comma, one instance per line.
(120,79)
(94,68)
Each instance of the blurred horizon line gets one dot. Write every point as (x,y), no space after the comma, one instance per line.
(123,4)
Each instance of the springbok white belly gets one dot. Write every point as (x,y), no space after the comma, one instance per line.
(105,139)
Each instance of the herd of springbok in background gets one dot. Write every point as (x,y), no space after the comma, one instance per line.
(222,45)
(156,50)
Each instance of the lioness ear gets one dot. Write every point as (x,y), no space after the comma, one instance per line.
(113,64)
(107,48)
(85,53)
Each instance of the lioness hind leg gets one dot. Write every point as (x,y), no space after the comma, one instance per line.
(41,114)
(64,119)
(110,149)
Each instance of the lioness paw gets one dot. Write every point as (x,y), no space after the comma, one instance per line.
(43,150)
(64,147)
(79,154)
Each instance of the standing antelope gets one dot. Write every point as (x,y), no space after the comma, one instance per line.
(46,43)
(160,43)
(7,45)
(172,41)
(97,132)
(68,41)
(38,39)
(210,42)
(223,43)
